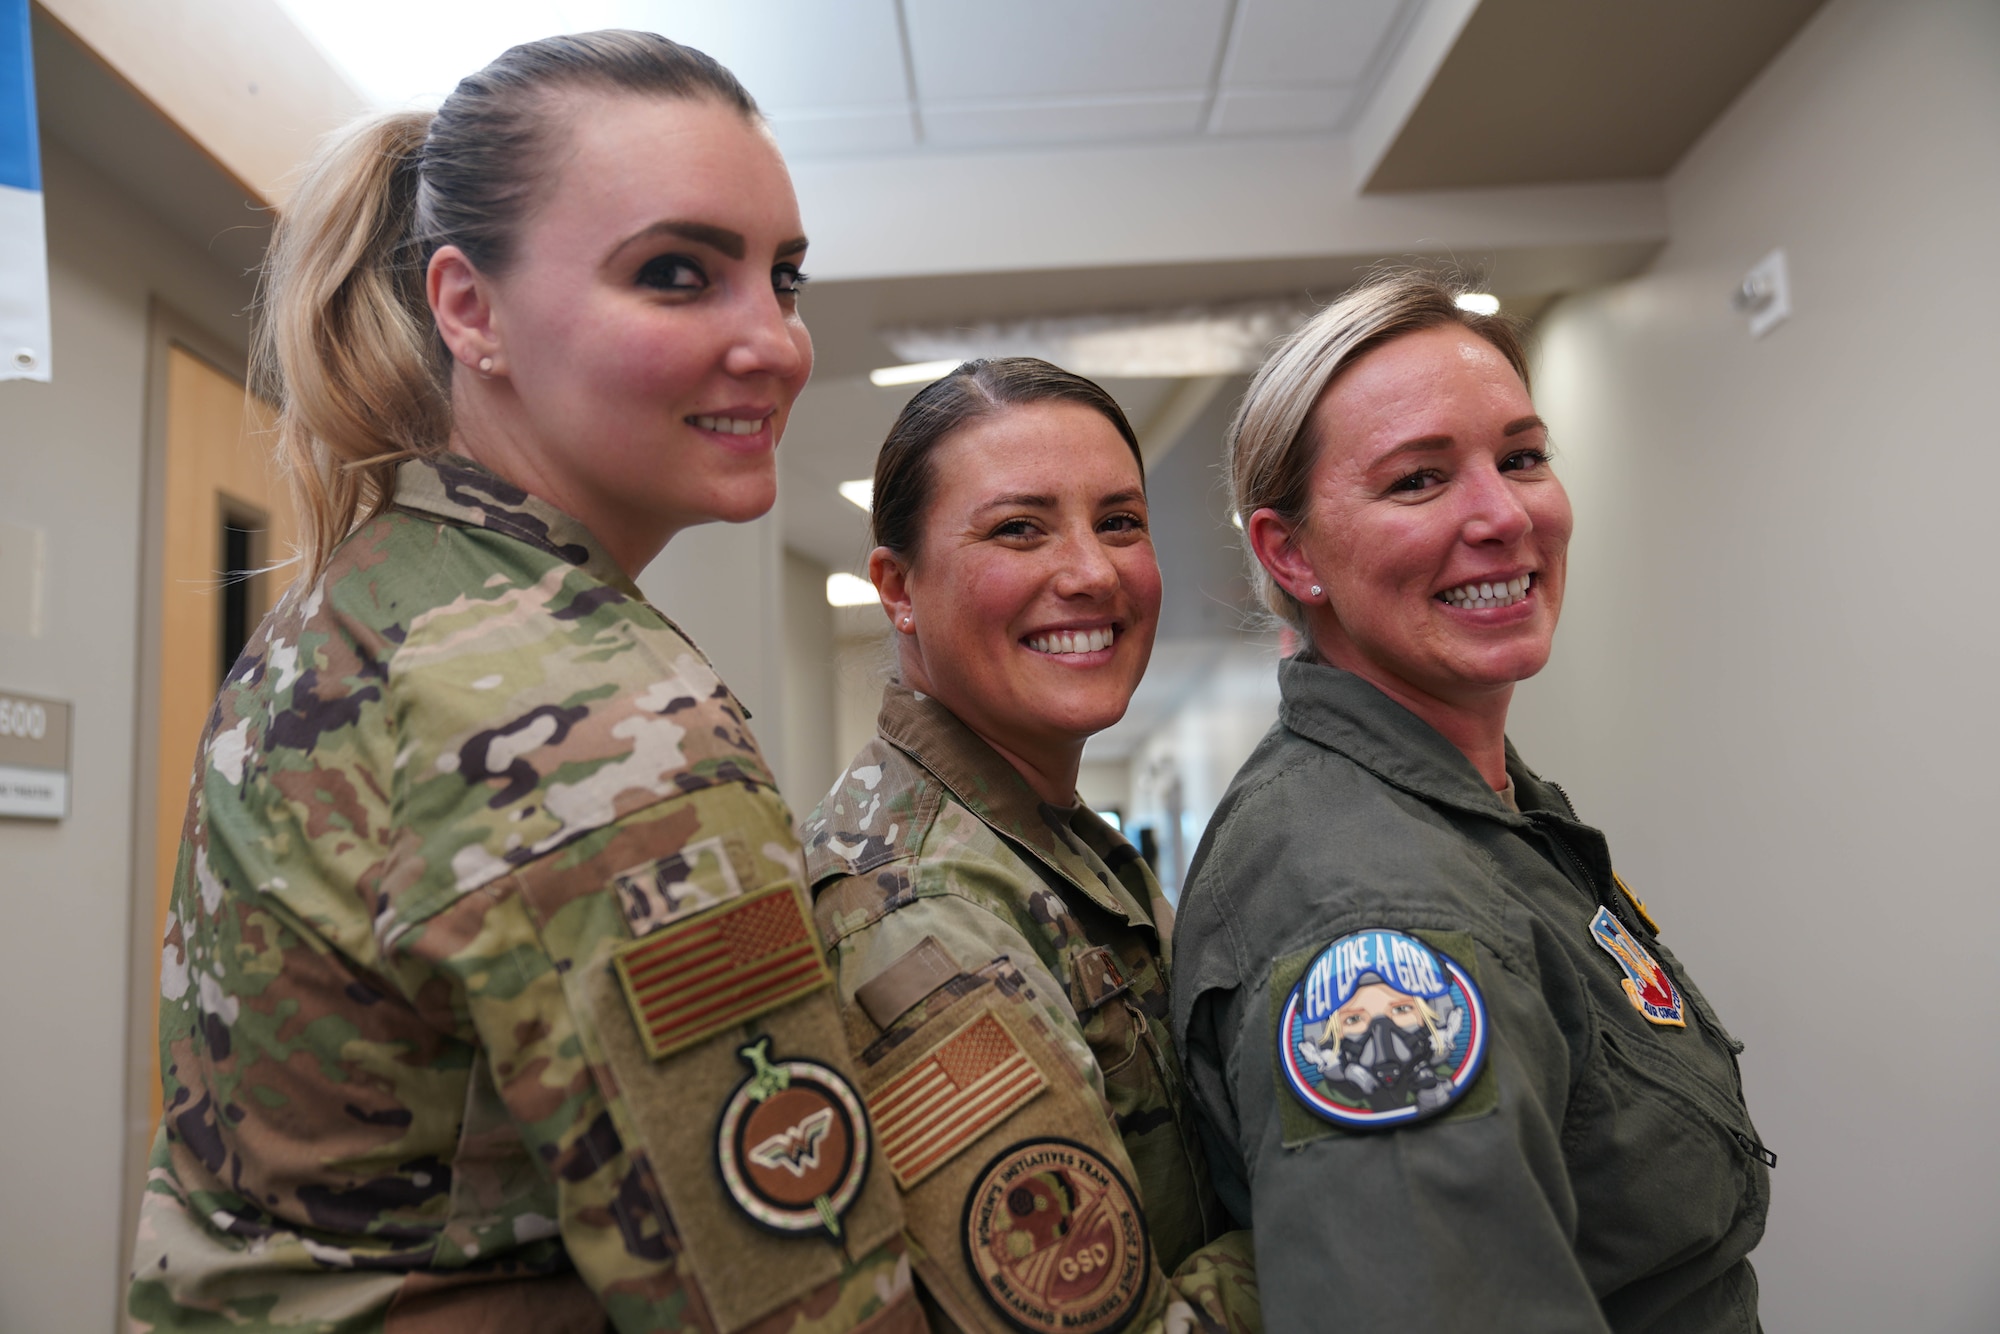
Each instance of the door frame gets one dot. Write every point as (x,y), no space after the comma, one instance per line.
(167,329)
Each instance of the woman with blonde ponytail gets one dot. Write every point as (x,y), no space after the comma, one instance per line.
(490,998)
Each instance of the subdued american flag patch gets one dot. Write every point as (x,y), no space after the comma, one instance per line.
(693,979)
(973,1081)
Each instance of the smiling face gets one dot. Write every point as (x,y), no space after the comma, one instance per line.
(1034,592)
(645,337)
(1433,523)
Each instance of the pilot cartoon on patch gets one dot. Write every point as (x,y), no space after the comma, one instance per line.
(1381,1030)
(1382,1043)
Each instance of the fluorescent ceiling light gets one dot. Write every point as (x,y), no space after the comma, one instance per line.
(861,492)
(919,372)
(846,590)
(1479,303)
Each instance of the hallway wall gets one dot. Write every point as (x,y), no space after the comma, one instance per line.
(1773,683)
(72,463)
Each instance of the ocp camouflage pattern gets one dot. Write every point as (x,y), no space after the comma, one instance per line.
(411,802)
(930,833)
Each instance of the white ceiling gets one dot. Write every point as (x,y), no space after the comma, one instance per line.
(841,77)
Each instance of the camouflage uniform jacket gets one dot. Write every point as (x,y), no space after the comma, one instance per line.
(403,1089)
(930,833)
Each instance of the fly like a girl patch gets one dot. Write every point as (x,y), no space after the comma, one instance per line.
(1646,984)
(1055,1240)
(792,1144)
(1382,1030)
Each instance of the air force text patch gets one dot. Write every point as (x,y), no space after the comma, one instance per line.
(792,1144)
(1646,984)
(1382,1030)
(1054,1237)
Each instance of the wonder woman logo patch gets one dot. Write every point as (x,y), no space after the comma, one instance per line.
(1054,1237)
(792,1144)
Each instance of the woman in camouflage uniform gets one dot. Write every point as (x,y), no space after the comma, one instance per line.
(490,996)
(1002,951)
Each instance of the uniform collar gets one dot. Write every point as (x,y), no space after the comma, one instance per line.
(454,488)
(1342,712)
(992,789)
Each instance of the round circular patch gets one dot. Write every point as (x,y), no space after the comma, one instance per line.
(1382,1030)
(1054,1238)
(792,1144)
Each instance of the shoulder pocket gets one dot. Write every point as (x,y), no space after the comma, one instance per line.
(715,1046)
(1015,1186)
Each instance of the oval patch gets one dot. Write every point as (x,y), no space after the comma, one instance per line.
(1055,1239)
(1382,1030)
(792,1144)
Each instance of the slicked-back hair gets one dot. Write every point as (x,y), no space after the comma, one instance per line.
(344,343)
(1270,445)
(905,470)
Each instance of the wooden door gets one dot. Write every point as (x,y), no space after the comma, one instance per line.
(227,516)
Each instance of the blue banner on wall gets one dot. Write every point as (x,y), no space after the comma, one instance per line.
(24,258)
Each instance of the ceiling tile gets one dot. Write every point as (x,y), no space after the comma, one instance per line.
(1308,41)
(826,133)
(793,54)
(1062,121)
(1280,110)
(1045,48)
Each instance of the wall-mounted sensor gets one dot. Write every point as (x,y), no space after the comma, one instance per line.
(1765,294)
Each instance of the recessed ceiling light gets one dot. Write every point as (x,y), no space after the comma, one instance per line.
(860,491)
(847,590)
(1479,303)
(917,372)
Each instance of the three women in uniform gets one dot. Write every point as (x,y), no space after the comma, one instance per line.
(490,994)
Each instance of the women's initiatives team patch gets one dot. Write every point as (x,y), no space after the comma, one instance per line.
(1054,1236)
(1382,1030)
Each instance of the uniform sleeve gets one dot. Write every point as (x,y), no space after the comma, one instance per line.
(1461,1222)
(966,921)
(975,933)
(626,1138)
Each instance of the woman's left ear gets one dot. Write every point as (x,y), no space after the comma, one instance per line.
(463,309)
(1277,548)
(892,585)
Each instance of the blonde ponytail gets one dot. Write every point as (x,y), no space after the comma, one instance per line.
(345,345)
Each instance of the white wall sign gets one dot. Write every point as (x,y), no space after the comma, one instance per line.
(34,757)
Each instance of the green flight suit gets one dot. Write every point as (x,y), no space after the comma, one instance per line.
(444,786)
(1602,1172)
(931,836)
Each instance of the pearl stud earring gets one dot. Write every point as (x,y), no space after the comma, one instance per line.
(907,623)
(486,365)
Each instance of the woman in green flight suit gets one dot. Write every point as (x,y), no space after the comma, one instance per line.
(1451,1073)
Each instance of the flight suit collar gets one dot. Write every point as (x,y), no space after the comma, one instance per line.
(1343,712)
(454,488)
(994,791)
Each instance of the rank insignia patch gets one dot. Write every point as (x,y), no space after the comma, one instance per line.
(792,1144)
(692,979)
(1646,984)
(1382,1030)
(973,1081)
(1054,1237)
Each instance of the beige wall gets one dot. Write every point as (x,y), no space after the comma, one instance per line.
(811,764)
(1773,684)
(72,456)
